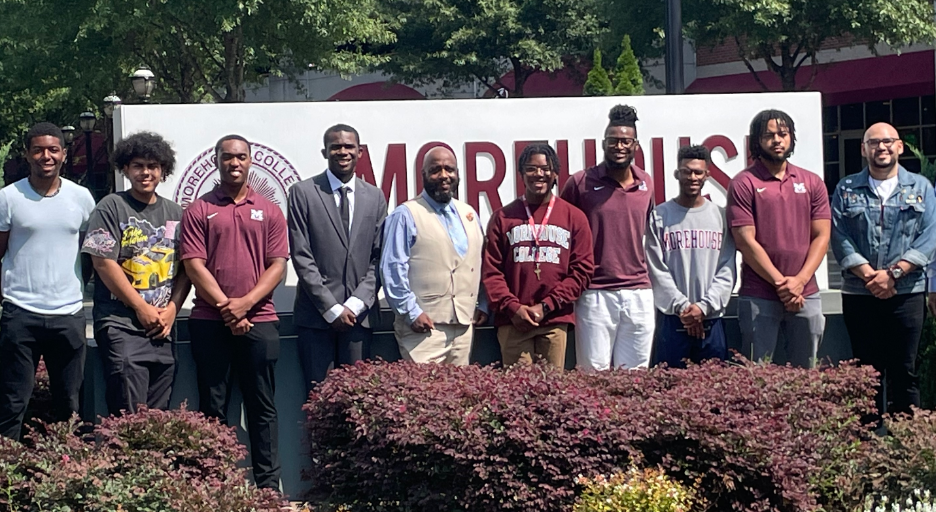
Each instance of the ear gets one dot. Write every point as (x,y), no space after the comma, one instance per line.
(864,150)
(899,147)
(324,154)
(676,173)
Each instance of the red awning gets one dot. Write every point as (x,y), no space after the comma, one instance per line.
(562,82)
(377,91)
(850,81)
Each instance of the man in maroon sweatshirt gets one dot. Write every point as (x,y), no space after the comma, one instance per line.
(537,261)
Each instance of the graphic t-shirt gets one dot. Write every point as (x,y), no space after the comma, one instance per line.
(144,240)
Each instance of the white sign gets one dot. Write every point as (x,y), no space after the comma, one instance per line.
(486,136)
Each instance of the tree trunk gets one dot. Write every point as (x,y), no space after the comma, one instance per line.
(521,73)
(788,68)
(234,66)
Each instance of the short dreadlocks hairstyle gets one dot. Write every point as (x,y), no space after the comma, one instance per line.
(759,127)
(146,145)
(538,148)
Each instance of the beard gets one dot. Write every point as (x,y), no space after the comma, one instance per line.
(770,157)
(438,195)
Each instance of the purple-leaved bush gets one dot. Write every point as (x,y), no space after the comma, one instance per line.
(409,437)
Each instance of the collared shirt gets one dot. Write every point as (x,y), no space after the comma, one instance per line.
(336,184)
(236,240)
(781,212)
(399,237)
(881,232)
(618,218)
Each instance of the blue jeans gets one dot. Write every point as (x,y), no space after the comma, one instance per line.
(674,344)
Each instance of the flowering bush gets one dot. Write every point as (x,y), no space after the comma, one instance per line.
(918,502)
(403,436)
(635,491)
(149,461)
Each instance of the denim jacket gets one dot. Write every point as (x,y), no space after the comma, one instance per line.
(864,232)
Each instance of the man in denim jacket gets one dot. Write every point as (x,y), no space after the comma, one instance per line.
(884,236)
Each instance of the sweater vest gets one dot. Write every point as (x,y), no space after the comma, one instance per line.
(445,284)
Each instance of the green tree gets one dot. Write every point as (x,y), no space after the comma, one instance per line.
(455,42)
(597,83)
(785,34)
(628,80)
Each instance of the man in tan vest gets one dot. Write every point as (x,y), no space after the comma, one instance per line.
(431,267)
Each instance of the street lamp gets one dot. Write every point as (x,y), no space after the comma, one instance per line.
(143,81)
(87,121)
(68,131)
(110,103)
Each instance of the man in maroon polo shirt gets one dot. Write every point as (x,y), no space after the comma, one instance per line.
(615,316)
(780,218)
(234,245)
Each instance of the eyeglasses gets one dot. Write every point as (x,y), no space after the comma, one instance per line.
(685,171)
(535,169)
(613,142)
(873,143)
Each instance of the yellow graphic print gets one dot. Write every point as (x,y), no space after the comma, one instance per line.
(151,269)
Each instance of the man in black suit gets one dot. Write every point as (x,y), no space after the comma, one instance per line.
(335,220)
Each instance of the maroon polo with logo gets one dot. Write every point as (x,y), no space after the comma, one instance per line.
(781,212)
(618,219)
(236,240)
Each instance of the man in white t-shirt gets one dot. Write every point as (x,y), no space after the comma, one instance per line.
(42,219)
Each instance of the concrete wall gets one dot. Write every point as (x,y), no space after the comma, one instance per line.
(290,388)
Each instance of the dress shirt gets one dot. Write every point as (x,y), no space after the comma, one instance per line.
(353,303)
(399,237)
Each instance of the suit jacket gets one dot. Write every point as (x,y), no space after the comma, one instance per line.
(331,265)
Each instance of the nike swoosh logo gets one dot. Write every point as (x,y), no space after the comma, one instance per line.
(599,188)
(761,189)
(210,215)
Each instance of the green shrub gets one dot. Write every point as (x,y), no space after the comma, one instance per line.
(905,460)
(597,83)
(649,490)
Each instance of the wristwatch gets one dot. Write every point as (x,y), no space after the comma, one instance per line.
(546,309)
(895,272)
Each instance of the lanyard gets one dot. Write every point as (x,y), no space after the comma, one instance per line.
(533,226)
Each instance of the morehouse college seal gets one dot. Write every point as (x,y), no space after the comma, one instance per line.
(270,176)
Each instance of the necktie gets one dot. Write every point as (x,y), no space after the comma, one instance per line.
(456,231)
(345,209)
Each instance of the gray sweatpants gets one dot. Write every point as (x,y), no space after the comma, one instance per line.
(762,322)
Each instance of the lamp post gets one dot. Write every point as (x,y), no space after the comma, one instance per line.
(87,121)
(68,131)
(144,82)
(675,83)
(110,103)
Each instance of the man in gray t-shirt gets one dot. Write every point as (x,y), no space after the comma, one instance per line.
(692,268)
(133,240)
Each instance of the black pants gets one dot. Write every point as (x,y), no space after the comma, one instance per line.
(252,358)
(24,338)
(137,370)
(321,350)
(886,335)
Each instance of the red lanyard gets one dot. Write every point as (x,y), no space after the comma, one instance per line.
(533,227)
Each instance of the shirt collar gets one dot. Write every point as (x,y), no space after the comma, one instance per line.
(335,183)
(904,178)
(437,206)
(761,170)
(220,197)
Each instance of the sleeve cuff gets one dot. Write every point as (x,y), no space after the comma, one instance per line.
(853,260)
(332,314)
(705,307)
(414,314)
(916,257)
(356,305)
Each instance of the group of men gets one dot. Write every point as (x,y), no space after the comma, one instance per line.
(598,255)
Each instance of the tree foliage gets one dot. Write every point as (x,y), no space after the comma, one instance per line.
(785,34)
(597,83)
(460,41)
(59,57)
(628,80)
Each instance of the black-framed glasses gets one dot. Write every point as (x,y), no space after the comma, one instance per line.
(873,143)
(535,169)
(685,171)
(613,142)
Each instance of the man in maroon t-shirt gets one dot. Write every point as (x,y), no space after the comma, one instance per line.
(615,316)
(780,218)
(234,246)
(537,262)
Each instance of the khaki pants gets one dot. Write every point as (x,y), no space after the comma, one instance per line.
(447,343)
(548,342)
